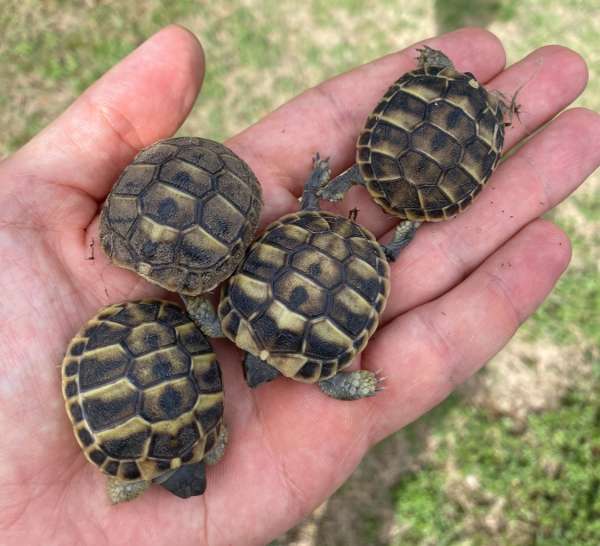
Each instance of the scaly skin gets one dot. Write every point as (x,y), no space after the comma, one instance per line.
(202,312)
(452,306)
(351,385)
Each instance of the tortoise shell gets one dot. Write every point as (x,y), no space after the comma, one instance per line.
(431,144)
(308,295)
(143,390)
(182,214)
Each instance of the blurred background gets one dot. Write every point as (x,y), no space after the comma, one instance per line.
(511,459)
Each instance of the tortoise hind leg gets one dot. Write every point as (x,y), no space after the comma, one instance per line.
(335,189)
(318,177)
(257,371)
(351,385)
(403,234)
(187,481)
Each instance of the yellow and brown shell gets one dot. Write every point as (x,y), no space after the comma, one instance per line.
(143,390)
(308,295)
(182,214)
(431,144)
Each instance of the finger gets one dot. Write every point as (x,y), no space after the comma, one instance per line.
(427,352)
(546,82)
(329,117)
(535,179)
(270,423)
(294,446)
(549,79)
(144,98)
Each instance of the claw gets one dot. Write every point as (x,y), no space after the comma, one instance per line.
(318,162)
(380,379)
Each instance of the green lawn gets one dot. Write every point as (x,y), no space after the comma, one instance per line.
(477,470)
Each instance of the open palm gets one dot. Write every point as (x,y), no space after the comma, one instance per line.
(459,291)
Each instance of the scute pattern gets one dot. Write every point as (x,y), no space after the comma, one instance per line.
(182,214)
(431,144)
(143,389)
(308,295)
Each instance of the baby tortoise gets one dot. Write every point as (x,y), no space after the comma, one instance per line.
(429,146)
(143,392)
(307,297)
(182,215)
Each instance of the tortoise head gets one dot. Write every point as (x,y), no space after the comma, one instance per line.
(429,57)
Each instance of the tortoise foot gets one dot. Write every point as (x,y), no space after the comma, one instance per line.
(352,385)
(404,233)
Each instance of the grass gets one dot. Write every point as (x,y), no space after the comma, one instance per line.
(451,14)
(487,485)
(463,475)
(578,321)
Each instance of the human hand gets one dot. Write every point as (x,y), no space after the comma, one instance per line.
(458,292)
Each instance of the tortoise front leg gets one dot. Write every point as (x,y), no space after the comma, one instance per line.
(351,385)
(335,189)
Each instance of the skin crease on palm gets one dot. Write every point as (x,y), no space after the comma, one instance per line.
(459,291)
